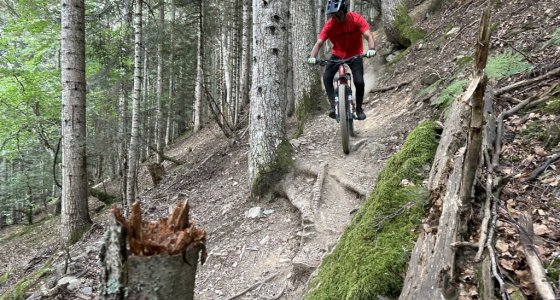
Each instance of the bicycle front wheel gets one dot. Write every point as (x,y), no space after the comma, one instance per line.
(343,115)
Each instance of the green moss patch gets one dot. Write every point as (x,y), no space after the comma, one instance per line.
(554,39)
(266,178)
(371,257)
(18,290)
(506,64)
(404,24)
(4,277)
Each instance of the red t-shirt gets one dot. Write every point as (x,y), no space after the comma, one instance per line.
(346,36)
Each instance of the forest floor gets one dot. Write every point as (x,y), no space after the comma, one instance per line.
(268,248)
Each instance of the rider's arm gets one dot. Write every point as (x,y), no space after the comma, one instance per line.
(317,47)
(369,37)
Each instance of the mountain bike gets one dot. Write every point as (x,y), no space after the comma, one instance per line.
(344,104)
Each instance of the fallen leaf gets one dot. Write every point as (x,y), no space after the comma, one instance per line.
(539,150)
(507,264)
(541,229)
(502,246)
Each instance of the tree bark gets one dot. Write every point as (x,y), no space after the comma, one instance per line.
(245,53)
(74,215)
(160,123)
(199,81)
(303,38)
(267,118)
(135,121)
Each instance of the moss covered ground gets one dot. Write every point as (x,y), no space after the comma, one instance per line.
(371,257)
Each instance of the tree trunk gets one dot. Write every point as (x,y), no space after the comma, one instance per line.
(135,122)
(199,81)
(160,123)
(393,13)
(75,215)
(303,38)
(267,118)
(161,260)
(245,53)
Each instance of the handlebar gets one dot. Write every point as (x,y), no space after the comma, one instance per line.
(322,62)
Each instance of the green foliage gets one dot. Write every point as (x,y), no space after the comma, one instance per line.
(371,257)
(404,24)
(554,39)
(552,106)
(506,64)
(4,277)
(448,95)
(273,173)
(429,89)
(534,130)
(18,291)
(464,61)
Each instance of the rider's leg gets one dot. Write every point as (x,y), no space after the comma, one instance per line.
(357,67)
(328,77)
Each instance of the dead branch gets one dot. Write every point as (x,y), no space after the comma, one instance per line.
(487,207)
(490,247)
(391,87)
(464,245)
(528,81)
(537,271)
(255,285)
(544,166)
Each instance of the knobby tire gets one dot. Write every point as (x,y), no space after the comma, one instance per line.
(344,122)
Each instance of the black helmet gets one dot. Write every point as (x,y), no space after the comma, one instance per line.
(334,6)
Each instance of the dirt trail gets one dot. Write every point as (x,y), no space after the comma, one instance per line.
(268,249)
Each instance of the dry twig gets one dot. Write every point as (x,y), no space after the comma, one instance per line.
(544,166)
(527,82)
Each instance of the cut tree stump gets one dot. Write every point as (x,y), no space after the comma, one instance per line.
(151,259)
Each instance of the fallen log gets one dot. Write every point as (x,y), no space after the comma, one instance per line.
(434,261)
(151,259)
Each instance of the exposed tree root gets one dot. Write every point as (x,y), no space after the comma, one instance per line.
(349,186)
(391,87)
(318,187)
(254,286)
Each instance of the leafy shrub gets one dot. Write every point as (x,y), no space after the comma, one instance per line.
(505,65)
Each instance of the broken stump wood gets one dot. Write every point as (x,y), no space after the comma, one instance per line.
(151,259)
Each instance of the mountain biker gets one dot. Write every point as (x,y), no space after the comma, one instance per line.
(344,30)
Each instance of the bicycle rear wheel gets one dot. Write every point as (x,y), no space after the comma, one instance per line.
(343,115)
